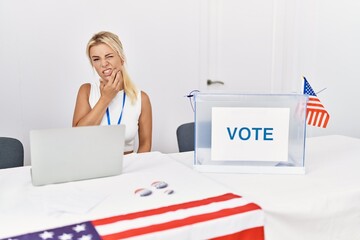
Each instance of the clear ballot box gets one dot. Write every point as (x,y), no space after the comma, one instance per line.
(250,133)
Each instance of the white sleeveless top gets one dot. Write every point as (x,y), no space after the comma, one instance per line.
(130,115)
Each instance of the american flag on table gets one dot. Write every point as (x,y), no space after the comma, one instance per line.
(316,115)
(223,217)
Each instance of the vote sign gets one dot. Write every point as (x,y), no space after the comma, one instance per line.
(249,134)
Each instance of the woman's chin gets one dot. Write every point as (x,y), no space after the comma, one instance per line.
(104,81)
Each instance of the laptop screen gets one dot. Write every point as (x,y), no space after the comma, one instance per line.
(71,154)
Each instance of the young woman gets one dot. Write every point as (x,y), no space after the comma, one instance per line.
(114,99)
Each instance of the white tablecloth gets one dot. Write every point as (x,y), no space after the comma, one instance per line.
(323,204)
(26,209)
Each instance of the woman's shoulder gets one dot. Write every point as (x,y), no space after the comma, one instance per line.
(145,99)
(144,96)
(85,87)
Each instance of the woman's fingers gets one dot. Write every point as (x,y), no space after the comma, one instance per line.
(117,80)
(112,84)
(110,79)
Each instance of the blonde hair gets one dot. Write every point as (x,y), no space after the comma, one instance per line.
(115,44)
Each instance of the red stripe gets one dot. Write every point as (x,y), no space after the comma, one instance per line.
(256,233)
(181,222)
(161,210)
(323,123)
(315,105)
(315,119)
(314,102)
(312,98)
(310,117)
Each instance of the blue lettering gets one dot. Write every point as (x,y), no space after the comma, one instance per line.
(241,135)
(233,134)
(256,133)
(268,131)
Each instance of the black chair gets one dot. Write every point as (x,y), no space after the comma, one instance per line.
(11,153)
(185,134)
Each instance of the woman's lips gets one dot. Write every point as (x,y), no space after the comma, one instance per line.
(107,72)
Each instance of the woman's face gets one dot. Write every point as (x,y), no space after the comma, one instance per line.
(105,61)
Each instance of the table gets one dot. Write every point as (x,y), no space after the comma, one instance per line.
(199,208)
(323,204)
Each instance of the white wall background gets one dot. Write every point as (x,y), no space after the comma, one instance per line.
(323,45)
(43,61)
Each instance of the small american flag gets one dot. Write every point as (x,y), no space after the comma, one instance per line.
(316,115)
(222,217)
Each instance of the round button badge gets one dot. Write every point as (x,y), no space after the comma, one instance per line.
(143,192)
(159,184)
(168,191)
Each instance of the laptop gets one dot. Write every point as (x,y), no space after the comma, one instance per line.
(72,154)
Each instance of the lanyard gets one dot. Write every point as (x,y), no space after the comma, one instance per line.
(121,113)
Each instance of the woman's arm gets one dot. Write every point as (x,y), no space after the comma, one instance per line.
(84,115)
(145,124)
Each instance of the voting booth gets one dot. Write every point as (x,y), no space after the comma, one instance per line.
(250,133)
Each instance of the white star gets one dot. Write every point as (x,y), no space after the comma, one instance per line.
(79,228)
(66,236)
(85,237)
(46,235)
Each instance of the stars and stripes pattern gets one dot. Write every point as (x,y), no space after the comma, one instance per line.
(316,115)
(227,216)
(80,231)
